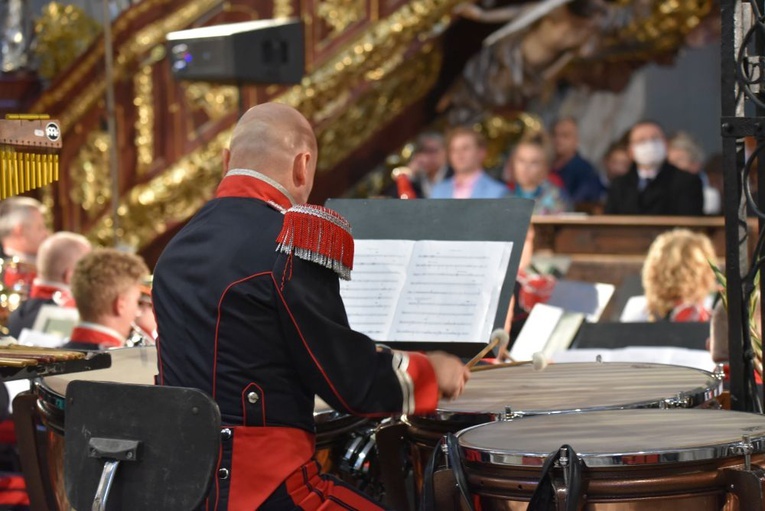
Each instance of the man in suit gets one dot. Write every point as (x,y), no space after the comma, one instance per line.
(56,259)
(652,186)
(467,150)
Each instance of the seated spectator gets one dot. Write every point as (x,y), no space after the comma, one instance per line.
(56,260)
(106,285)
(530,167)
(678,278)
(580,180)
(653,186)
(686,154)
(616,163)
(467,150)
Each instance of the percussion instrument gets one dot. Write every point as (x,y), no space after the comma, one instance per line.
(515,392)
(346,447)
(634,460)
(129,365)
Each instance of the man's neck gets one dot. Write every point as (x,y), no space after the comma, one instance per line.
(562,160)
(466,176)
(13,251)
(648,168)
(114,325)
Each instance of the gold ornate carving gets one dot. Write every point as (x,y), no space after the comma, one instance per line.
(91,183)
(664,30)
(376,64)
(144,123)
(283,9)
(339,14)
(175,195)
(215,100)
(62,33)
(125,54)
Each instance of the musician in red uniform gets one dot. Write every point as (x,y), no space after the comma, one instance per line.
(248,306)
(56,259)
(106,285)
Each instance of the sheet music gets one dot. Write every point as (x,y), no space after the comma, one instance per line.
(378,276)
(426,291)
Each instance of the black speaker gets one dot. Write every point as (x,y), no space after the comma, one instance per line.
(262,51)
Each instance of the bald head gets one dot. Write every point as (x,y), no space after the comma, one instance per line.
(59,254)
(275,140)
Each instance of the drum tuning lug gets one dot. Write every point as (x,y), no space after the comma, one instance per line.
(507,414)
(445,452)
(599,359)
(746,448)
(563,462)
(719,372)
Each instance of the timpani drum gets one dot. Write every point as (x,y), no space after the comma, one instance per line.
(635,460)
(129,365)
(521,391)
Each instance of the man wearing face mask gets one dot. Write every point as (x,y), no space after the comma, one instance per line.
(652,186)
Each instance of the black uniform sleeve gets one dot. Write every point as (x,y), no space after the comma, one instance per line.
(342,366)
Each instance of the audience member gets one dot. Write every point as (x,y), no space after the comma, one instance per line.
(686,154)
(616,163)
(467,150)
(653,186)
(106,285)
(530,167)
(428,162)
(56,260)
(678,278)
(580,180)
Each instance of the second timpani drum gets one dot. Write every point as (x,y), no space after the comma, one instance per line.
(634,460)
(515,392)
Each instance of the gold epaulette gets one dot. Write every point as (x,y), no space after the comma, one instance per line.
(29,146)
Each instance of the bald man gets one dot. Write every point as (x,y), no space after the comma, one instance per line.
(56,260)
(249,310)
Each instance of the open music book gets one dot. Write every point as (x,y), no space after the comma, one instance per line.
(425,291)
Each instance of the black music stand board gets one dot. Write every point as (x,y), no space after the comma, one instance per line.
(505,220)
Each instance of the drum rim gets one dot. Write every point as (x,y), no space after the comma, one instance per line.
(685,399)
(519,458)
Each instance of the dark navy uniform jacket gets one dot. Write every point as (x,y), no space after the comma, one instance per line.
(263,332)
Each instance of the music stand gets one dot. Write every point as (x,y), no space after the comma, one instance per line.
(505,219)
(164,440)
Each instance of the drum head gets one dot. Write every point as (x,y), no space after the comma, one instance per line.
(573,387)
(129,365)
(616,437)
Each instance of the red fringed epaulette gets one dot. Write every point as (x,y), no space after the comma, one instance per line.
(319,235)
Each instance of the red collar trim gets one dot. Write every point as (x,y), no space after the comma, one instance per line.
(47,292)
(251,187)
(86,335)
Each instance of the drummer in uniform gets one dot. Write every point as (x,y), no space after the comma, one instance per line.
(106,285)
(249,310)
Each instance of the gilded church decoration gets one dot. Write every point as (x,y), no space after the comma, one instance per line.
(144,123)
(62,33)
(215,101)
(89,171)
(340,14)
(283,9)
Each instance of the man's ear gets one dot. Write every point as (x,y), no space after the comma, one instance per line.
(300,167)
(226,156)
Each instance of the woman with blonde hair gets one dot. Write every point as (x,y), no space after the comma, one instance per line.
(677,276)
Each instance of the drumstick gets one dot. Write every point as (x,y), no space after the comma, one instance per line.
(538,361)
(498,336)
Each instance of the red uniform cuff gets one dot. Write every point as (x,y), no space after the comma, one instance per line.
(420,370)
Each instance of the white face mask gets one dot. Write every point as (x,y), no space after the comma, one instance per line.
(650,153)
